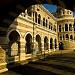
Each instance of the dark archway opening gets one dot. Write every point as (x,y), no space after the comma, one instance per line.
(14,44)
(45,43)
(38,43)
(61,46)
(51,43)
(28,46)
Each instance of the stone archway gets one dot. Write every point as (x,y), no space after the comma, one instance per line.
(14,44)
(61,46)
(38,43)
(51,43)
(45,43)
(55,41)
(28,46)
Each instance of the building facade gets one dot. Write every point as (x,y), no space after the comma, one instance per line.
(38,32)
(65,24)
(33,33)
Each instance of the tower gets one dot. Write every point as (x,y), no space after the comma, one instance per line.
(65,29)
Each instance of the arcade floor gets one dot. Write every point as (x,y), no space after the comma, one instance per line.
(57,63)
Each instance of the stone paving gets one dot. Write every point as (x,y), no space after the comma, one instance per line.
(57,63)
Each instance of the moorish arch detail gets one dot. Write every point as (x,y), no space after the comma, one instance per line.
(46,43)
(38,43)
(14,43)
(27,33)
(11,31)
(28,44)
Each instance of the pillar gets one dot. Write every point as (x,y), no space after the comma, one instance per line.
(53,45)
(49,45)
(42,45)
(57,45)
(22,49)
(3,64)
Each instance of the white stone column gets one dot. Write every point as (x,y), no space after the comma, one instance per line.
(49,46)
(57,45)
(42,45)
(53,45)
(22,49)
(34,52)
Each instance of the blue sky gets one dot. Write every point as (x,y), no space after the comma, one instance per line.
(51,8)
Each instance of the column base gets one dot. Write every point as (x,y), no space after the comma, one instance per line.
(22,57)
(3,67)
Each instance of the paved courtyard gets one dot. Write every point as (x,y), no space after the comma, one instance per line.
(57,63)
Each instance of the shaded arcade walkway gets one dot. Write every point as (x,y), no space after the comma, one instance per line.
(54,64)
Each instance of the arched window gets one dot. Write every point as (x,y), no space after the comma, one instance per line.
(45,43)
(60,37)
(51,27)
(67,37)
(71,37)
(43,21)
(54,28)
(70,27)
(39,19)
(36,17)
(66,27)
(59,28)
(46,22)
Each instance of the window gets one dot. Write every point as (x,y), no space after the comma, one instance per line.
(39,18)
(70,27)
(60,37)
(59,28)
(49,27)
(67,37)
(66,27)
(43,21)
(46,22)
(36,17)
(54,28)
(71,37)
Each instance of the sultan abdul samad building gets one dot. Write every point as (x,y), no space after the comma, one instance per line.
(36,31)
